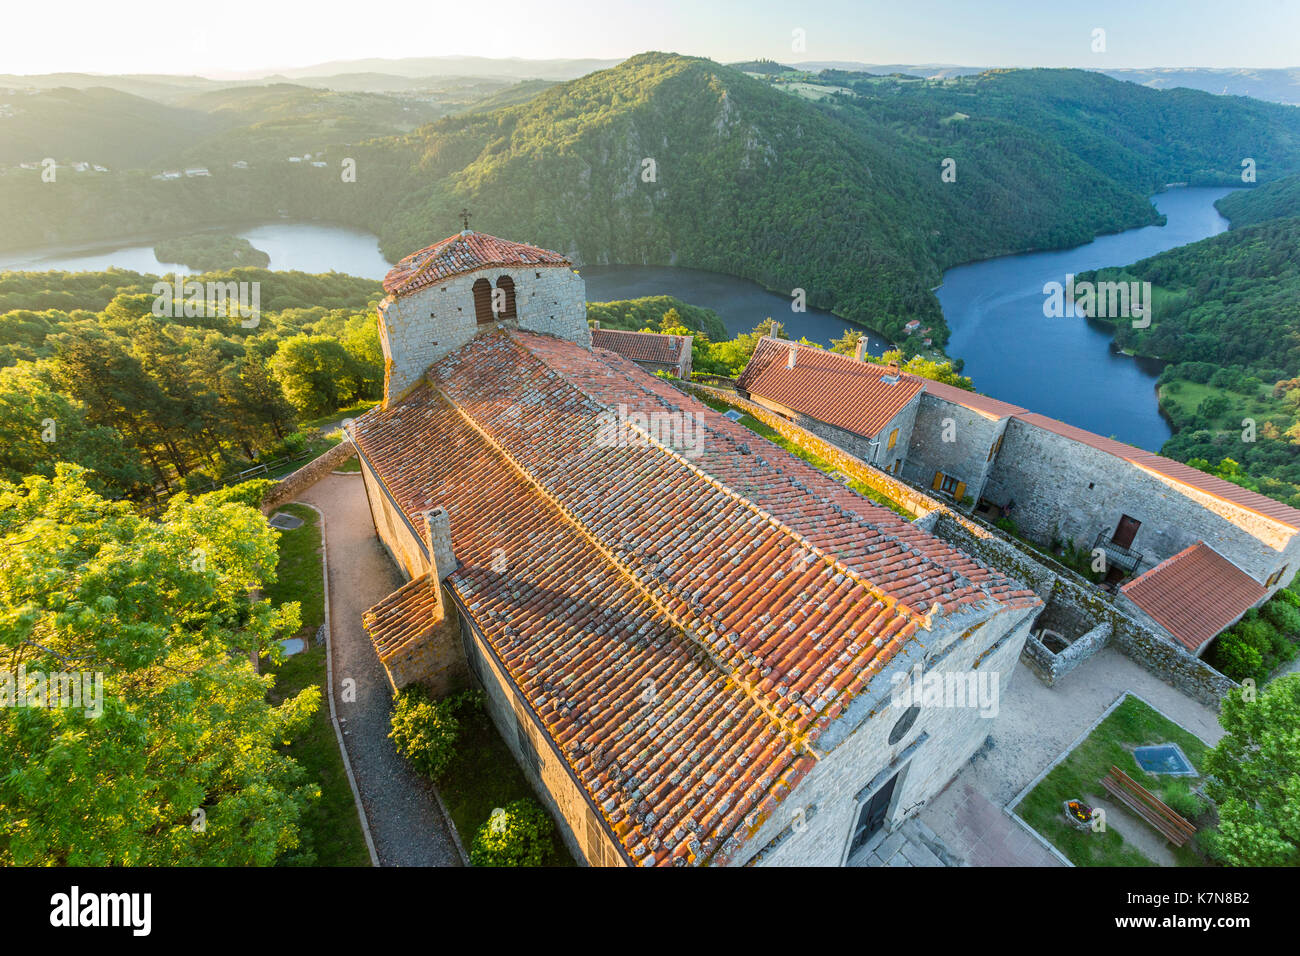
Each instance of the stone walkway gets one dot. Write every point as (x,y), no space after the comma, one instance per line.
(405,821)
(1036,723)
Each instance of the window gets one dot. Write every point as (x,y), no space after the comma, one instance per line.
(949,484)
(904,724)
(893,440)
(1276,576)
(483,301)
(506,285)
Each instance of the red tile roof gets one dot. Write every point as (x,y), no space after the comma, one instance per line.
(463,252)
(1173,470)
(642,346)
(752,596)
(831,388)
(404,617)
(1195,594)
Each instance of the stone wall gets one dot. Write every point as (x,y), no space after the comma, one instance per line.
(1065,489)
(1137,639)
(418,329)
(292,485)
(966,457)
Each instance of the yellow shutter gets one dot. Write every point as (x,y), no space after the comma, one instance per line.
(893,439)
(961,490)
(938,480)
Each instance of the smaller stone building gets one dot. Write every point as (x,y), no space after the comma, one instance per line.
(1140,513)
(653,351)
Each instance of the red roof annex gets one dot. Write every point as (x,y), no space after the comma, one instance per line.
(642,346)
(461,253)
(1194,594)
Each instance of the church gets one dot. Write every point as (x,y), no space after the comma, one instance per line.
(695,655)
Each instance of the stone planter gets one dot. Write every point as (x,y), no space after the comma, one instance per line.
(1072,810)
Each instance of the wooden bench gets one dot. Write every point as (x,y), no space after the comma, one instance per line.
(1145,804)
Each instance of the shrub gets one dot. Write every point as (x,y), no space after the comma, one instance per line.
(1289,596)
(518,835)
(1236,658)
(1210,843)
(424,731)
(1283,616)
(1178,797)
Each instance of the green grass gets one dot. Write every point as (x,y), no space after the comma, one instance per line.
(298,574)
(352,464)
(352,411)
(330,827)
(483,776)
(1181,400)
(821,464)
(1131,724)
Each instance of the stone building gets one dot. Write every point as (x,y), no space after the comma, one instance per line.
(696,645)
(653,351)
(1139,512)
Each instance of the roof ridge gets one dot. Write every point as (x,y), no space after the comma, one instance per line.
(800,739)
(923,616)
(870,586)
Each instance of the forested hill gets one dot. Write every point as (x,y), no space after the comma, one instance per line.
(833,185)
(1276,200)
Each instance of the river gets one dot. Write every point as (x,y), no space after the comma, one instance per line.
(1064,367)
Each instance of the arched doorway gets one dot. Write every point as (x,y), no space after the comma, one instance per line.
(483,301)
(507,285)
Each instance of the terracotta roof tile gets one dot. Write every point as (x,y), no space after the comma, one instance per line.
(836,389)
(1195,594)
(642,346)
(463,252)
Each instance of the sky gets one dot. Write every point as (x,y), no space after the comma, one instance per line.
(240,36)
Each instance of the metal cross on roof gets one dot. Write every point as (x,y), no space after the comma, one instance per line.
(464,217)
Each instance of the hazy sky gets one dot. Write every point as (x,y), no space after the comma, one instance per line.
(170,36)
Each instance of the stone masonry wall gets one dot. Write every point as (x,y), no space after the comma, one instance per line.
(966,457)
(417,330)
(292,485)
(1065,489)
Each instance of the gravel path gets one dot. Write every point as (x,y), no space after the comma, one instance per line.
(405,821)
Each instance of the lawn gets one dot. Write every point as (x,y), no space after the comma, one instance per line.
(483,776)
(821,464)
(330,827)
(1132,724)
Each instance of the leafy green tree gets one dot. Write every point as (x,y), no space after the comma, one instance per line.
(178,760)
(40,427)
(1255,776)
(515,835)
(316,372)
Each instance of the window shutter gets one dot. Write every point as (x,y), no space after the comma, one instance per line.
(938,480)
(961,490)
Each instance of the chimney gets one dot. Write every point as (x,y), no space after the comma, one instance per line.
(595,324)
(437,538)
(794,352)
(860,350)
(893,369)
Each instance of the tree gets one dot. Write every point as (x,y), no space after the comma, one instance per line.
(316,372)
(515,835)
(176,759)
(1255,776)
(39,427)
